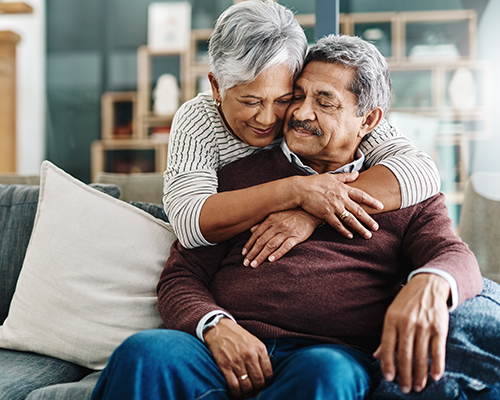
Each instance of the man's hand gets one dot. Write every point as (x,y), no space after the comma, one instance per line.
(277,235)
(327,196)
(416,321)
(239,354)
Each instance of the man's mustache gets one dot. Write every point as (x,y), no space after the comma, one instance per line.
(293,123)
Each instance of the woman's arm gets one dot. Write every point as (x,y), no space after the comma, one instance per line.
(415,172)
(380,183)
(324,196)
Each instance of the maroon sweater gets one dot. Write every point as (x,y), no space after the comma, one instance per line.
(329,288)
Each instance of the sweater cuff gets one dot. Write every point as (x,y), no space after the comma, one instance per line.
(443,274)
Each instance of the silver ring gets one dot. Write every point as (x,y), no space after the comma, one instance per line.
(344,215)
(243,377)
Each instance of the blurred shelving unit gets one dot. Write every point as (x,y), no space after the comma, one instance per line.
(432,56)
(128,156)
(8,44)
(441,97)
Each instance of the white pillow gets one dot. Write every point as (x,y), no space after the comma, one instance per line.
(89,276)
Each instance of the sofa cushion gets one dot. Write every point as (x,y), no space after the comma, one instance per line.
(21,373)
(81,390)
(17,213)
(144,187)
(18,204)
(89,276)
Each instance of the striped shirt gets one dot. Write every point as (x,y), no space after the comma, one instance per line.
(200,145)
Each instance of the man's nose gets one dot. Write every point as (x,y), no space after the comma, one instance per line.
(304,111)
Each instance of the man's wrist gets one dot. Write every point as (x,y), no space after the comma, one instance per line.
(440,286)
(453,299)
(212,322)
(208,319)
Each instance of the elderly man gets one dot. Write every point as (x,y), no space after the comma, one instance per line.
(306,325)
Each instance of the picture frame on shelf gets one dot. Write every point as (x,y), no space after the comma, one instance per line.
(169,26)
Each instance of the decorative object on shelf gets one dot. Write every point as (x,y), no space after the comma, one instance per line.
(462,89)
(169,26)
(166,95)
(441,51)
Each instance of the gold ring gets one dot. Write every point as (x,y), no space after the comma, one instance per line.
(344,215)
(243,377)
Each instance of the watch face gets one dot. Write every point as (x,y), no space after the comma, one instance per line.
(212,321)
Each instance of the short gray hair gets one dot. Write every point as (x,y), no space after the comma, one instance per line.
(372,82)
(250,37)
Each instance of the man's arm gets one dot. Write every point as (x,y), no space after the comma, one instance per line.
(184,299)
(417,320)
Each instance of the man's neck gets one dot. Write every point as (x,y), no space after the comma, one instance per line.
(355,163)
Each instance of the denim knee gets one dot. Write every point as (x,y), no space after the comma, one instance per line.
(160,364)
(327,372)
(325,363)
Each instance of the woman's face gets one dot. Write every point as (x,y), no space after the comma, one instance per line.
(255,111)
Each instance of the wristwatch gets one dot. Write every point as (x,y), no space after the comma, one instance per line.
(212,321)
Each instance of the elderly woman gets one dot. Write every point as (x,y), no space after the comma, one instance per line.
(256,52)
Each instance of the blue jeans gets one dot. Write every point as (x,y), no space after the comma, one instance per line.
(472,355)
(165,364)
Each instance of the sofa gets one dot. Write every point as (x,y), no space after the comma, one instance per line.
(71,291)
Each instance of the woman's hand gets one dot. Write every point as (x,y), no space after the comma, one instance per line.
(277,235)
(328,197)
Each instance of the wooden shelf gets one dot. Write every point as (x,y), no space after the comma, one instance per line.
(145,117)
(15,8)
(109,108)
(100,147)
(8,37)
(8,42)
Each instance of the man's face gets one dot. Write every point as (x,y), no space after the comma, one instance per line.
(321,124)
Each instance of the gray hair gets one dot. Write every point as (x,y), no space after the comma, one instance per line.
(371,83)
(250,37)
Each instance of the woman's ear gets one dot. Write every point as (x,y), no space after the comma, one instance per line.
(371,119)
(215,87)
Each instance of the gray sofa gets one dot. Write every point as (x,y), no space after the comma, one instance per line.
(473,360)
(28,375)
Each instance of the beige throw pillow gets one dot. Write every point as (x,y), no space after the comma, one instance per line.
(89,276)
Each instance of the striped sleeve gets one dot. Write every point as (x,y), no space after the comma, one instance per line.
(415,171)
(184,197)
(199,146)
(191,175)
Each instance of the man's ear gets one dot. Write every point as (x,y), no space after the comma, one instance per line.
(215,87)
(370,120)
